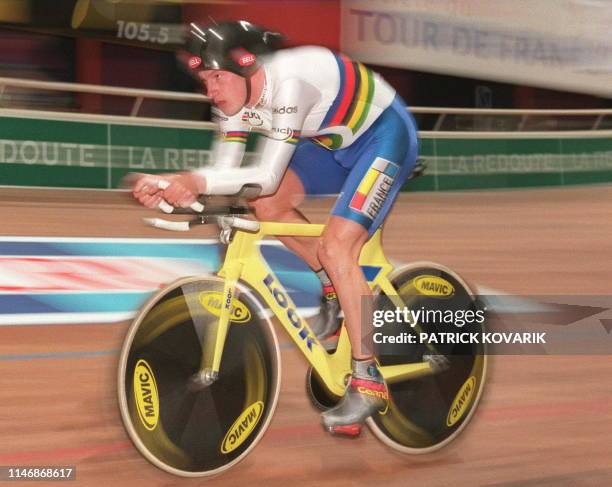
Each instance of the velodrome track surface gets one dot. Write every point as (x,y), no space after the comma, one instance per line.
(543,420)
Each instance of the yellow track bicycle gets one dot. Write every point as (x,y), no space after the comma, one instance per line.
(200,368)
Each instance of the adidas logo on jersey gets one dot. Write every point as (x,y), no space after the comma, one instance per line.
(285,110)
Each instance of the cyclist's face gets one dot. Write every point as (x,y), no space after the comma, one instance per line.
(227,90)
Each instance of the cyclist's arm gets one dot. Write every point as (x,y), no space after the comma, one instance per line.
(277,149)
(227,152)
(230,144)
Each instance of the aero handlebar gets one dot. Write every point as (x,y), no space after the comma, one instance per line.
(224,216)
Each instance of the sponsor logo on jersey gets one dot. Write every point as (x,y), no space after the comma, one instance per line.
(461,402)
(285,134)
(434,286)
(242,427)
(284,110)
(282,133)
(374,188)
(146,395)
(212,301)
(252,118)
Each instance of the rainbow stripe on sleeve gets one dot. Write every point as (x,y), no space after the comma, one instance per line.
(352,103)
(287,135)
(295,137)
(235,136)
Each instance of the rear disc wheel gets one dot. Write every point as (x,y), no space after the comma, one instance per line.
(427,413)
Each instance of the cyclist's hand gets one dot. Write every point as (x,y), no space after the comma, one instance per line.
(184,188)
(145,188)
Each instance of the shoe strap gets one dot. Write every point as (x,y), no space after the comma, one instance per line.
(368,384)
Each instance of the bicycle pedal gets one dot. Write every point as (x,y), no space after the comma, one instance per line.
(438,363)
(350,430)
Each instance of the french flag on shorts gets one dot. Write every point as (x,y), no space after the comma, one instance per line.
(374,187)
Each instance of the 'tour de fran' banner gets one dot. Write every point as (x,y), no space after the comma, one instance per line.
(561,44)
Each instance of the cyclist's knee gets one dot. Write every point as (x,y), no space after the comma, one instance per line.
(269,208)
(336,254)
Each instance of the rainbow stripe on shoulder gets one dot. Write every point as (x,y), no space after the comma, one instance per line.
(352,103)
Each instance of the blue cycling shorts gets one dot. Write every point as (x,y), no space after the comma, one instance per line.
(369,173)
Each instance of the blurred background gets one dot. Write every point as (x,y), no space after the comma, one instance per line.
(504,94)
(541,69)
(435,54)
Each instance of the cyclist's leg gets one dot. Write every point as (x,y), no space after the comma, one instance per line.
(312,170)
(281,207)
(384,158)
(339,251)
(366,391)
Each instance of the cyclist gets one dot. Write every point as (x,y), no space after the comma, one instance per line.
(331,125)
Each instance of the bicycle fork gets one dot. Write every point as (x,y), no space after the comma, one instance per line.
(209,374)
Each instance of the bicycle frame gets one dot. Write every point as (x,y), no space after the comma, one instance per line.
(244,262)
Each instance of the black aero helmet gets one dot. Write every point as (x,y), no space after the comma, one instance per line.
(230,46)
